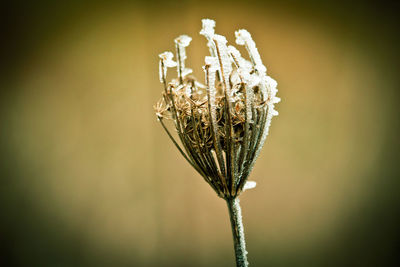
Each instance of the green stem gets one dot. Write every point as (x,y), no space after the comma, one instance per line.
(235,215)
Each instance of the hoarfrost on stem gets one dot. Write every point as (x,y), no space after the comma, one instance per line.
(165,62)
(182,42)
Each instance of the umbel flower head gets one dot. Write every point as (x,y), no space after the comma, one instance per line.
(222,123)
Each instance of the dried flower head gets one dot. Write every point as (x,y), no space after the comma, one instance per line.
(222,124)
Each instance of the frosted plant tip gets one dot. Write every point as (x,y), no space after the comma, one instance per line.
(167,57)
(242,36)
(183,40)
(208,27)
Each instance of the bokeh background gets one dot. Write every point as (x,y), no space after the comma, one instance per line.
(89,178)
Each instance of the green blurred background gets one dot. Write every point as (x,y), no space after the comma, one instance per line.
(88,177)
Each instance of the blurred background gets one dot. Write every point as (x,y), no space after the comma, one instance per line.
(89,178)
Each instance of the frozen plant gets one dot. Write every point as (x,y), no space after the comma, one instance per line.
(222,123)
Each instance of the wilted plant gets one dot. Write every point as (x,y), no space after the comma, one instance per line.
(222,124)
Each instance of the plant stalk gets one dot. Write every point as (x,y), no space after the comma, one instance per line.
(235,215)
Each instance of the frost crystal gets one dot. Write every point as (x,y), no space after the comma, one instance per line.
(212,62)
(182,42)
(237,213)
(165,62)
(249,185)
(241,63)
(243,37)
(210,70)
(208,32)
(225,63)
(167,57)
(208,27)
(186,72)
(223,124)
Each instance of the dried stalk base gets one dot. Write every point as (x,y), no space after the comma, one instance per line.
(235,215)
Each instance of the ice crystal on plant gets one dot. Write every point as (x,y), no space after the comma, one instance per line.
(208,27)
(166,62)
(249,185)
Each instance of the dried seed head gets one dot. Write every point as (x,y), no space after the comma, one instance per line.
(223,124)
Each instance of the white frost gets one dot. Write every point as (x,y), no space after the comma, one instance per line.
(186,72)
(212,62)
(241,63)
(212,66)
(208,27)
(167,57)
(166,60)
(225,62)
(249,185)
(181,43)
(208,32)
(183,40)
(243,37)
(238,214)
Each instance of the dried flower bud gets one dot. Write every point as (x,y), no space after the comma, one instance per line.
(223,124)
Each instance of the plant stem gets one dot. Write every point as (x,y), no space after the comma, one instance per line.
(235,215)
